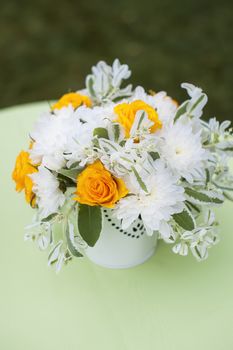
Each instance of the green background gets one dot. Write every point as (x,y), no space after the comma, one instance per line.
(49,47)
(168,303)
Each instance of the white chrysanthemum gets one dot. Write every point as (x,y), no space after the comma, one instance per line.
(164,105)
(50,135)
(79,146)
(48,195)
(97,116)
(66,134)
(164,198)
(182,149)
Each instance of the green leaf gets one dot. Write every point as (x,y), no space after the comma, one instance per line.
(142,117)
(207,176)
(49,218)
(70,240)
(122,143)
(108,145)
(122,97)
(223,187)
(228,196)
(201,197)
(89,223)
(96,143)
(185,220)
(198,253)
(192,206)
(75,165)
(154,155)
(227,149)
(181,110)
(70,173)
(197,103)
(139,180)
(101,133)
(89,84)
(116,131)
(54,253)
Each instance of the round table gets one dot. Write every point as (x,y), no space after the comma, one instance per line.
(168,303)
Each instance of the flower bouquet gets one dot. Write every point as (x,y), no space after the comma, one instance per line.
(110,170)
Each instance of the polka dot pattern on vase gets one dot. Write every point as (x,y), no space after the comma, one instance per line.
(136,230)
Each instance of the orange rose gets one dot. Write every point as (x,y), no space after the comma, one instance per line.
(22,169)
(73,98)
(97,186)
(126,113)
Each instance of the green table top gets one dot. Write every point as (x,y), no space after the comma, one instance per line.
(168,303)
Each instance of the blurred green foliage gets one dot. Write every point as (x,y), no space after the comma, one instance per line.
(48,47)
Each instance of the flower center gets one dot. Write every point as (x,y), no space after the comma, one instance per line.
(178,151)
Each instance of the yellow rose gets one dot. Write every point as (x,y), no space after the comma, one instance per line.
(126,113)
(97,186)
(73,98)
(22,169)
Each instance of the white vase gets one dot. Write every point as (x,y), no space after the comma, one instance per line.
(119,249)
